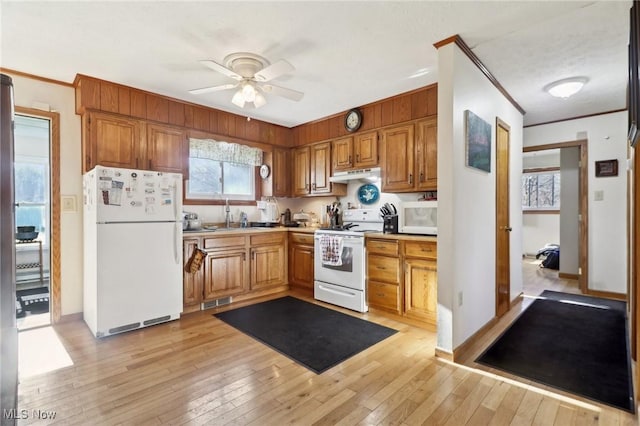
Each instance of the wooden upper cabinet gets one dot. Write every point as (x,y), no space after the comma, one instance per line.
(301,173)
(111,141)
(320,168)
(280,172)
(398,151)
(343,153)
(164,148)
(365,150)
(427,154)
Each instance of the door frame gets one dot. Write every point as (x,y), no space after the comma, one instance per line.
(583,191)
(506,254)
(55,307)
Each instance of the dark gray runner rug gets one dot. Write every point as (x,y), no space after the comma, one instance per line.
(314,336)
(575,343)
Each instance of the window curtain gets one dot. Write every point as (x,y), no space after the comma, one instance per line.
(224,151)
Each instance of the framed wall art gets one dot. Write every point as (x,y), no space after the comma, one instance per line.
(606,168)
(477,142)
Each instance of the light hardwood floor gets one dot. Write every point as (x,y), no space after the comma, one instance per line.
(198,370)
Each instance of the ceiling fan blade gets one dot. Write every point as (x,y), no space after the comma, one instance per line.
(221,69)
(294,95)
(212,89)
(274,70)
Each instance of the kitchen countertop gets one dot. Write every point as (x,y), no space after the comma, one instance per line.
(306,230)
(252,230)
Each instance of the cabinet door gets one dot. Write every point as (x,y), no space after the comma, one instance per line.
(365,149)
(192,282)
(301,266)
(342,154)
(224,274)
(427,154)
(320,168)
(113,141)
(165,148)
(280,172)
(420,289)
(267,266)
(398,145)
(301,172)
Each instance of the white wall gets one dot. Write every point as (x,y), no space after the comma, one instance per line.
(569,210)
(607,227)
(539,230)
(466,201)
(61,99)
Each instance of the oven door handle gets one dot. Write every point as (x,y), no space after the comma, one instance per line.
(333,290)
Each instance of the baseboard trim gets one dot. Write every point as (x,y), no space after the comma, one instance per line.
(462,349)
(517,300)
(444,354)
(568,276)
(78,316)
(607,295)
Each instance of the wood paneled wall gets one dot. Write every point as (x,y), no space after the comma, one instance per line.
(96,94)
(397,109)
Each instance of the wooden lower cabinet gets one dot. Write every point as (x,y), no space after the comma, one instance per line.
(234,265)
(420,289)
(411,293)
(225,274)
(192,282)
(268,260)
(301,264)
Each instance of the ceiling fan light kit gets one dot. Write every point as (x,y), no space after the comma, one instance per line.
(251,71)
(566,88)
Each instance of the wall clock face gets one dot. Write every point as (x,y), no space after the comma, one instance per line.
(353,120)
(264,171)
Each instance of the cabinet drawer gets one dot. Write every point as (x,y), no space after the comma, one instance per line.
(224,242)
(299,238)
(388,247)
(269,238)
(383,268)
(384,296)
(428,249)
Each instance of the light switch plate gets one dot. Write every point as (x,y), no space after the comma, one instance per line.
(598,195)
(68,203)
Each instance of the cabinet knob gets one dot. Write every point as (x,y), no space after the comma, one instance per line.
(421,176)
(411,178)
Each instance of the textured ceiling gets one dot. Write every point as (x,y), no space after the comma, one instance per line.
(345,53)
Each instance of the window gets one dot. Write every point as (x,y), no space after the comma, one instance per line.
(31,174)
(541,190)
(221,170)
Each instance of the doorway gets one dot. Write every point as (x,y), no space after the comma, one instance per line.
(37,213)
(573,156)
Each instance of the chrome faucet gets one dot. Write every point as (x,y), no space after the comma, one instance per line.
(227,216)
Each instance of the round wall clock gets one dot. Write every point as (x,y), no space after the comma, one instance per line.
(265,171)
(353,120)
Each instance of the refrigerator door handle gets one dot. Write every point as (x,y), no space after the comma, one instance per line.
(176,213)
(177,238)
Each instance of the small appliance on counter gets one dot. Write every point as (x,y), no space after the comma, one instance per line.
(190,222)
(419,217)
(268,211)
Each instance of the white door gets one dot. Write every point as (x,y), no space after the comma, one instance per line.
(126,195)
(139,274)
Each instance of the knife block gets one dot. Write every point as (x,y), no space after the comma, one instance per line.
(390,224)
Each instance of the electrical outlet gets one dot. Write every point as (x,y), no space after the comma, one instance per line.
(459,298)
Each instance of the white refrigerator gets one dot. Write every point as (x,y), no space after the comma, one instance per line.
(132,249)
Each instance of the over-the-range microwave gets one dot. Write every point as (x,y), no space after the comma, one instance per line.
(418,217)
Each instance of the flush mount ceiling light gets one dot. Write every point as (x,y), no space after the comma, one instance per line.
(566,87)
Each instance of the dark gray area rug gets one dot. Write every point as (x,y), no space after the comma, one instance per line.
(575,343)
(312,335)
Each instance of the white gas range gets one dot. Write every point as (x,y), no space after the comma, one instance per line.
(340,260)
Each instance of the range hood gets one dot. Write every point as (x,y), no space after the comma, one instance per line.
(371,174)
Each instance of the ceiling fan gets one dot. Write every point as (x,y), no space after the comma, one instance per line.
(252,74)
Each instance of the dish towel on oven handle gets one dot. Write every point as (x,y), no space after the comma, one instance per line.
(331,250)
